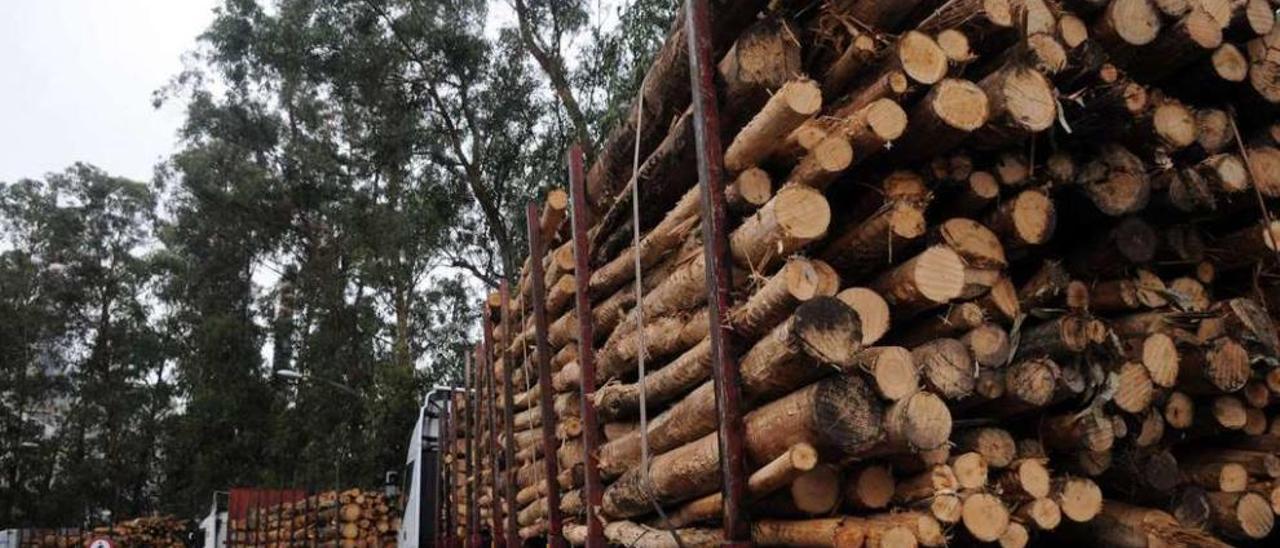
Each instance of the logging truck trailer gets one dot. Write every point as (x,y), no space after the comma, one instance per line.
(421,475)
(214,525)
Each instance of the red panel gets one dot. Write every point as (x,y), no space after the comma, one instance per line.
(244,498)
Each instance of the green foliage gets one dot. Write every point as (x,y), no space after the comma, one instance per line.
(84,364)
(350,182)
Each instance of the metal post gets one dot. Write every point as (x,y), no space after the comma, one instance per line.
(495,501)
(724,355)
(555,535)
(508,403)
(442,476)
(448,457)
(593,490)
(473,506)
(477,381)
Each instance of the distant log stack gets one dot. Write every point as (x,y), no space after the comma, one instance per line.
(152,531)
(339,519)
(1006,272)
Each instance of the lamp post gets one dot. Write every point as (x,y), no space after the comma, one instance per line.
(294,375)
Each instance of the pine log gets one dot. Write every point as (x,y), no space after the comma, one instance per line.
(1021,102)
(839,414)
(957,319)
(1027,220)
(870,245)
(869,487)
(970,469)
(1127,23)
(795,283)
(1241,515)
(794,217)
(996,445)
(665,94)
(762,60)
(858,54)
(1122,524)
(945,116)
(946,368)
(926,281)
(1264,68)
(871,308)
(750,190)
(661,336)
(892,369)
(985,516)
(778,473)
(789,107)
(822,330)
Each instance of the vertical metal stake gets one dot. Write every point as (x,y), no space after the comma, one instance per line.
(482,439)
(508,403)
(724,356)
(472,476)
(451,500)
(555,534)
(490,406)
(593,490)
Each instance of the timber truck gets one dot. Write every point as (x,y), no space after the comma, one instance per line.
(421,475)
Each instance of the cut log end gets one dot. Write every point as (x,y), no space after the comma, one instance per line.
(1136,22)
(955,45)
(1229,63)
(921,58)
(828,330)
(985,516)
(816,491)
(893,371)
(939,274)
(922,420)
(802,214)
(872,487)
(872,311)
(1134,388)
(1029,99)
(995,444)
(886,119)
(750,190)
(970,470)
(1015,536)
(1160,358)
(1175,124)
(960,104)
(803,456)
(850,415)
(1080,499)
(1032,381)
(1034,217)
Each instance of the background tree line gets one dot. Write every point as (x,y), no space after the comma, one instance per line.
(348,183)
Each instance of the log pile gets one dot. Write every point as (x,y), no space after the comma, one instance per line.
(152,531)
(1005,272)
(337,519)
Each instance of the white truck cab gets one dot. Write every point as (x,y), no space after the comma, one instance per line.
(214,525)
(421,472)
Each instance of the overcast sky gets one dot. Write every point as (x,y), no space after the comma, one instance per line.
(76,82)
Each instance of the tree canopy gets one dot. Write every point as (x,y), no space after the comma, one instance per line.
(348,183)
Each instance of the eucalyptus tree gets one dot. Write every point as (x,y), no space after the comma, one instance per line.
(89,391)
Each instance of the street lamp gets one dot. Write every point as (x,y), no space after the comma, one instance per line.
(294,375)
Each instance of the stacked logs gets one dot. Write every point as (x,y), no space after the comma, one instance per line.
(1003,273)
(157,531)
(463,433)
(346,519)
